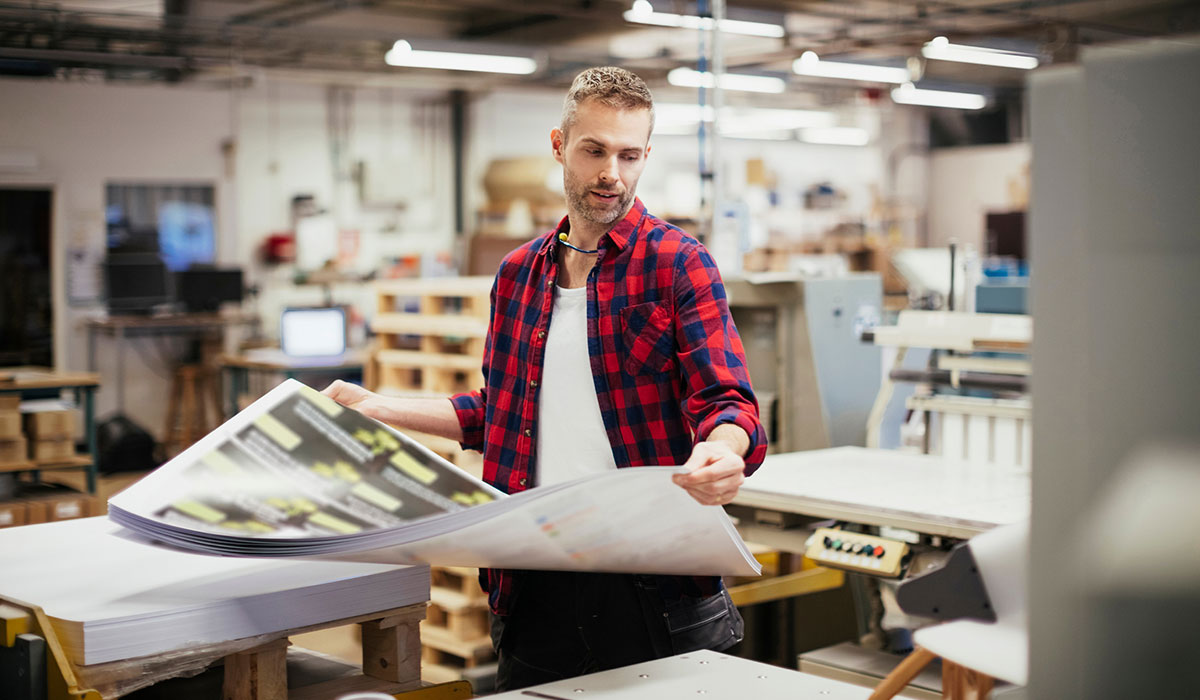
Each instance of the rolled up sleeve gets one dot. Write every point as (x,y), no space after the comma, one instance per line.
(712,359)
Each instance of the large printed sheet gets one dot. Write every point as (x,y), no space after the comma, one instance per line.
(296,474)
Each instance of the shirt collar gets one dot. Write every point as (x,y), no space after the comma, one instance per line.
(619,234)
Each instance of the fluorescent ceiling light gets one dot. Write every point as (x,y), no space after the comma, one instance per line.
(643,13)
(941,49)
(810,64)
(686,77)
(737,122)
(403,54)
(909,95)
(836,135)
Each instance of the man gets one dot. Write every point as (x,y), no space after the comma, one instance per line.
(610,346)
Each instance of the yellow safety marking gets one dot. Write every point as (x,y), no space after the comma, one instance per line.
(277,502)
(13,622)
(482,497)
(373,495)
(323,469)
(199,511)
(258,526)
(303,505)
(365,436)
(331,408)
(329,522)
(413,468)
(346,472)
(221,462)
(278,432)
(462,498)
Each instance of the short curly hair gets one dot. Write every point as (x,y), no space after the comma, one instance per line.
(609,85)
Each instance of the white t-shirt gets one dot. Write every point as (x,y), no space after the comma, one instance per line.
(572,441)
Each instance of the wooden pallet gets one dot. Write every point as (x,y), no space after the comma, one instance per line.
(431,334)
(255,667)
(456,633)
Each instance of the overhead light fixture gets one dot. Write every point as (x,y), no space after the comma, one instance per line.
(909,95)
(810,64)
(835,136)
(643,13)
(403,54)
(686,77)
(940,49)
(738,122)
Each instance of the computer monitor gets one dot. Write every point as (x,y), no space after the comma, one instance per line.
(313,332)
(135,282)
(205,288)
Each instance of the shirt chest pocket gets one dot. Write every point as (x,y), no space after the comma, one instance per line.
(649,342)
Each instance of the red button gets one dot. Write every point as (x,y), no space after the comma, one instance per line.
(878,550)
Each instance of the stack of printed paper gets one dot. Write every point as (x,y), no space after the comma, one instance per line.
(111,597)
(296,474)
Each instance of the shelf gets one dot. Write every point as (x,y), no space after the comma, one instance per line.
(76,462)
(421,360)
(439,325)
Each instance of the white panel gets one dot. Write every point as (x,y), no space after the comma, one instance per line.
(979,439)
(1006,438)
(953,436)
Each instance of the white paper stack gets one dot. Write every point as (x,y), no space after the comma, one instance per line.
(111,597)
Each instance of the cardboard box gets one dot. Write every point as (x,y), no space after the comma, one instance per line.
(10,401)
(60,449)
(12,513)
(10,425)
(35,512)
(68,507)
(46,503)
(42,425)
(13,451)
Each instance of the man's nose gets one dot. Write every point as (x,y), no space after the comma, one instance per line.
(610,172)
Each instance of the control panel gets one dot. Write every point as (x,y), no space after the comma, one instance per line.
(853,551)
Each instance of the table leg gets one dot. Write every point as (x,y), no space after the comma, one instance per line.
(120,370)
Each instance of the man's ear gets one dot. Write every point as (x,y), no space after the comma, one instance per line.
(557,143)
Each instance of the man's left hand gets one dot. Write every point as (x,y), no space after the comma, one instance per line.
(716,473)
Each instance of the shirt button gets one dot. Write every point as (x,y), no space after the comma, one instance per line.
(533,383)
(528,432)
(521,482)
(541,334)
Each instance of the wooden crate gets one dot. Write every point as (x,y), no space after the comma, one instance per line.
(431,334)
(456,633)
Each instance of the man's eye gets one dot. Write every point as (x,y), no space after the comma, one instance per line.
(594,152)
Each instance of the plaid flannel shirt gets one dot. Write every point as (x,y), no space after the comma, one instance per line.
(668,363)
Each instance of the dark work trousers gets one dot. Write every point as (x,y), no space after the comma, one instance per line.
(566,624)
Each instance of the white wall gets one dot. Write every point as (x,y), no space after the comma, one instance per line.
(966,183)
(86,135)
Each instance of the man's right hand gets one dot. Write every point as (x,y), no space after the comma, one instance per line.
(355,397)
(433,416)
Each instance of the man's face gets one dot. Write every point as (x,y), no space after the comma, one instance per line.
(602,158)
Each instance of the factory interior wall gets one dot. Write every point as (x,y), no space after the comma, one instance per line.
(258,147)
(970,182)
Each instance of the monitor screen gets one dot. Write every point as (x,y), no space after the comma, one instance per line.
(135,283)
(204,289)
(313,332)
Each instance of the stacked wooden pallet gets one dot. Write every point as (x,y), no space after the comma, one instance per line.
(430,335)
(455,635)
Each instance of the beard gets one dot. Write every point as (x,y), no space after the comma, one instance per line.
(578,201)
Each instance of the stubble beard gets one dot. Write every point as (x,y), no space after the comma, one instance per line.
(577,198)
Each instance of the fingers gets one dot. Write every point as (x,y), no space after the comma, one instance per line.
(715,476)
(345,393)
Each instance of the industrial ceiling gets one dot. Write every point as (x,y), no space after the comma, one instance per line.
(214,40)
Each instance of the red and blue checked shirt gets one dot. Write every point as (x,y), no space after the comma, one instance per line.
(667,361)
